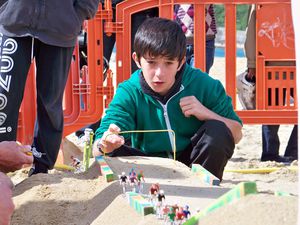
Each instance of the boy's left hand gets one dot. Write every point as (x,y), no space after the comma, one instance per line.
(191,106)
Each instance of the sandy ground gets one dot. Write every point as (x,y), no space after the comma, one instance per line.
(64,198)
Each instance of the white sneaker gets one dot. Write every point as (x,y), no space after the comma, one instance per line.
(246,91)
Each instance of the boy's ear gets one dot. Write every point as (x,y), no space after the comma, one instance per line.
(182,63)
(136,60)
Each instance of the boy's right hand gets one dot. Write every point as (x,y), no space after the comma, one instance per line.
(110,140)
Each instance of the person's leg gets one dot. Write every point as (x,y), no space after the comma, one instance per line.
(250,49)
(15,60)
(210,54)
(270,141)
(211,147)
(53,65)
(292,147)
(190,55)
(108,45)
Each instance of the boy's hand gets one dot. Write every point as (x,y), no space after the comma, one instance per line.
(251,73)
(109,141)
(6,203)
(14,156)
(190,106)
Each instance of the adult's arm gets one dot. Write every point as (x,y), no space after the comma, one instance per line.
(6,203)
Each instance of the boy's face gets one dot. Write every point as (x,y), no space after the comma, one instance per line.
(159,72)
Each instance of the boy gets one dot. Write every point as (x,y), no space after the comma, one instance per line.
(168,94)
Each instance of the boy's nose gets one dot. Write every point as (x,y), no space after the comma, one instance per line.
(159,71)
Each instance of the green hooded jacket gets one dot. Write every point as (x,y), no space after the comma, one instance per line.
(131,109)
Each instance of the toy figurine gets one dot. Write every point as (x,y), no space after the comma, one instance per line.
(133,180)
(153,191)
(164,212)
(76,164)
(171,215)
(186,212)
(175,207)
(161,197)
(140,179)
(179,216)
(123,181)
(159,204)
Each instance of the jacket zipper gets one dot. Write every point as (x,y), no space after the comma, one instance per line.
(167,120)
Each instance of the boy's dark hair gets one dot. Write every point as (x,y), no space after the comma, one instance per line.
(160,37)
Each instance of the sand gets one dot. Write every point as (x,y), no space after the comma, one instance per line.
(65,198)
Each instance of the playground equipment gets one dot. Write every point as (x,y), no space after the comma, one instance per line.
(87,94)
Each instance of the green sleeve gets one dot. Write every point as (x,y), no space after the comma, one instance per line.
(220,103)
(121,111)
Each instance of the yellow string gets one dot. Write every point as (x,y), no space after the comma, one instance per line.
(146,131)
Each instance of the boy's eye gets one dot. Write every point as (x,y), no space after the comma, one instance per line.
(150,61)
(170,62)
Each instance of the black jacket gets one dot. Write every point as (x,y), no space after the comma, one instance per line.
(54,22)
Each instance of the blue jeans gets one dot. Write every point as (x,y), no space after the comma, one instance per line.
(271,142)
(210,54)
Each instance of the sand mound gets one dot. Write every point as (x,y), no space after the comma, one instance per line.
(256,209)
(64,198)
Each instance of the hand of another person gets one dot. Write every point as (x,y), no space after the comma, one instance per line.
(251,73)
(6,203)
(191,106)
(13,156)
(110,140)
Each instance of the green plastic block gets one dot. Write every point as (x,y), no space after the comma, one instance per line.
(148,210)
(139,203)
(205,175)
(105,169)
(281,193)
(109,177)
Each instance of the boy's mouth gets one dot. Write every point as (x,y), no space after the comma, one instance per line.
(158,82)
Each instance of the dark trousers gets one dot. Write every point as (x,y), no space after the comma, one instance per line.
(209,52)
(212,146)
(52,67)
(271,142)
